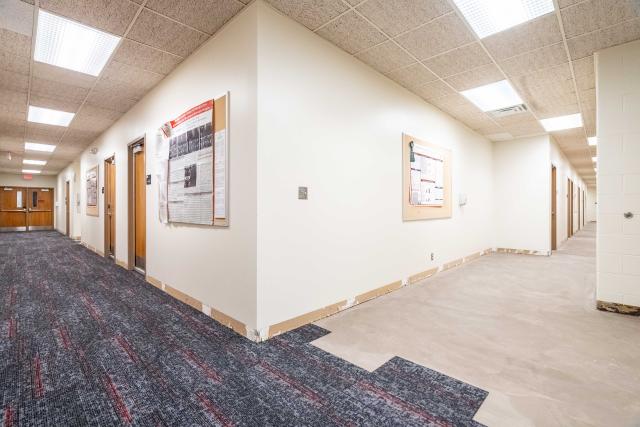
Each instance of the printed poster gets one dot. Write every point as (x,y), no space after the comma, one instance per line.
(427,177)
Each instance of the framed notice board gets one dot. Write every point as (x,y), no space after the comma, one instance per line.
(194,151)
(426,180)
(92,191)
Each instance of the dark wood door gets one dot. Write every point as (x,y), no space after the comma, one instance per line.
(40,209)
(13,209)
(554,210)
(110,206)
(67,209)
(140,190)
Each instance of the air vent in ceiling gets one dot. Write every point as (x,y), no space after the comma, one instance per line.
(503,112)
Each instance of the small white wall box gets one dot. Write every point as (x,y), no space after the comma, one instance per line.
(462,199)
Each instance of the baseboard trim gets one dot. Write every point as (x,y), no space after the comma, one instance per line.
(614,307)
(521,252)
(332,309)
(222,318)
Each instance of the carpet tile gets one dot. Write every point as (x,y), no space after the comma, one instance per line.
(86,343)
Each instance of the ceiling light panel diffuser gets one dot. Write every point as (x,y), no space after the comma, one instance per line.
(34,146)
(30,171)
(71,45)
(593,140)
(493,96)
(34,162)
(49,117)
(488,17)
(561,123)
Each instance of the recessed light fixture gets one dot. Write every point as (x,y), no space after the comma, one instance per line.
(49,117)
(493,96)
(594,159)
(30,171)
(34,162)
(562,122)
(68,44)
(34,146)
(488,17)
(593,140)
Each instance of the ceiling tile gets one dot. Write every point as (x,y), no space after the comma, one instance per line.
(490,129)
(570,136)
(53,103)
(44,133)
(62,75)
(412,76)
(592,15)
(530,127)
(438,36)
(113,95)
(548,109)
(434,90)
(145,57)
(16,16)
(205,15)
(94,111)
(13,101)
(458,60)
(450,101)
(113,16)
(477,77)
(57,90)
(12,126)
(545,77)
(385,57)
(535,60)
(79,137)
(15,52)
(310,13)
(540,32)
(93,119)
(514,119)
(352,33)
(14,81)
(163,33)
(395,17)
(586,44)
(134,77)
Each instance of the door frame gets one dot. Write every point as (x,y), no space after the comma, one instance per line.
(67,207)
(105,192)
(554,208)
(131,190)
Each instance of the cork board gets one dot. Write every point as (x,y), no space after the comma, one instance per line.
(413,212)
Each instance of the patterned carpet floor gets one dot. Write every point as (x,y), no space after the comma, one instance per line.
(84,342)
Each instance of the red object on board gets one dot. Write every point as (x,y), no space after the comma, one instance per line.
(27,177)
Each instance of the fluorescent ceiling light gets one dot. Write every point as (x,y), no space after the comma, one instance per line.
(563,122)
(34,162)
(594,159)
(30,171)
(488,17)
(71,45)
(49,117)
(493,96)
(593,140)
(34,146)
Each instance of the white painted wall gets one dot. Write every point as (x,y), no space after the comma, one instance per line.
(215,265)
(330,122)
(521,178)
(46,181)
(618,238)
(71,174)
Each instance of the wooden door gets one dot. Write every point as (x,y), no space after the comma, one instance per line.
(67,209)
(13,209)
(40,209)
(110,206)
(554,207)
(140,197)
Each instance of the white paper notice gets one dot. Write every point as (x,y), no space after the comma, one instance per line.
(427,177)
(19,199)
(220,208)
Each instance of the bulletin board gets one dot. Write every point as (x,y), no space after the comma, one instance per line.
(193,163)
(426,180)
(92,191)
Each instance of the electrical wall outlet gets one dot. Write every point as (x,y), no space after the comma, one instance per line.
(433,256)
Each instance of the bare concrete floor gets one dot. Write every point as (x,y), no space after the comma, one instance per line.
(524,328)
